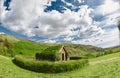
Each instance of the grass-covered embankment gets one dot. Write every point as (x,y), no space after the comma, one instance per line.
(50,54)
(49,67)
(21,47)
(28,48)
(105,57)
(109,69)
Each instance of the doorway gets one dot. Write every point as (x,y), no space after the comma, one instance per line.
(63,58)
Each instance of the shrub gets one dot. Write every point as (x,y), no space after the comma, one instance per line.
(77,57)
(21,53)
(50,54)
(49,67)
(37,56)
(89,55)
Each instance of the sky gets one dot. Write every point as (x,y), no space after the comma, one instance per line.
(90,22)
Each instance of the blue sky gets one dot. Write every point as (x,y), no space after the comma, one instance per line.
(91,22)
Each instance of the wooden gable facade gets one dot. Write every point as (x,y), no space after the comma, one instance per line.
(63,54)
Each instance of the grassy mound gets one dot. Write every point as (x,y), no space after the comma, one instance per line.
(28,48)
(49,67)
(50,54)
(22,47)
(109,69)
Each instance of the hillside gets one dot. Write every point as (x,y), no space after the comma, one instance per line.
(114,49)
(84,50)
(9,38)
(108,69)
(105,66)
(11,46)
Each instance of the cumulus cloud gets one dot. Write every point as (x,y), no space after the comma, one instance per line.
(110,38)
(2,33)
(68,39)
(107,7)
(2,10)
(91,31)
(24,17)
(27,17)
(50,41)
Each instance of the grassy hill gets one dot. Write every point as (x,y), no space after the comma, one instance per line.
(9,38)
(84,50)
(110,69)
(28,48)
(114,49)
(10,46)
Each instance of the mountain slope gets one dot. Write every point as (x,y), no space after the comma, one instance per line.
(11,46)
(9,38)
(114,49)
(84,50)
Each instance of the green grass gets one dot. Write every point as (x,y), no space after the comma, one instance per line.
(105,57)
(49,67)
(51,53)
(10,46)
(83,50)
(109,69)
(9,38)
(104,70)
(22,47)
(28,48)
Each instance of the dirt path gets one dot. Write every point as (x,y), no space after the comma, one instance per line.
(101,61)
(4,57)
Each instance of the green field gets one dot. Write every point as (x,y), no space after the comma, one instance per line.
(11,46)
(109,69)
(104,63)
(109,56)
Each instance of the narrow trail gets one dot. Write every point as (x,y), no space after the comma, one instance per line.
(102,61)
(4,57)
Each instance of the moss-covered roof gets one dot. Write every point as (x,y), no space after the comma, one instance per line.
(50,54)
(52,49)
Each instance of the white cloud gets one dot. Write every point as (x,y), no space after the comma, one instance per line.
(50,41)
(2,33)
(68,38)
(107,7)
(2,10)
(69,4)
(109,39)
(28,18)
(80,1)
(25,16)
(91,31)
